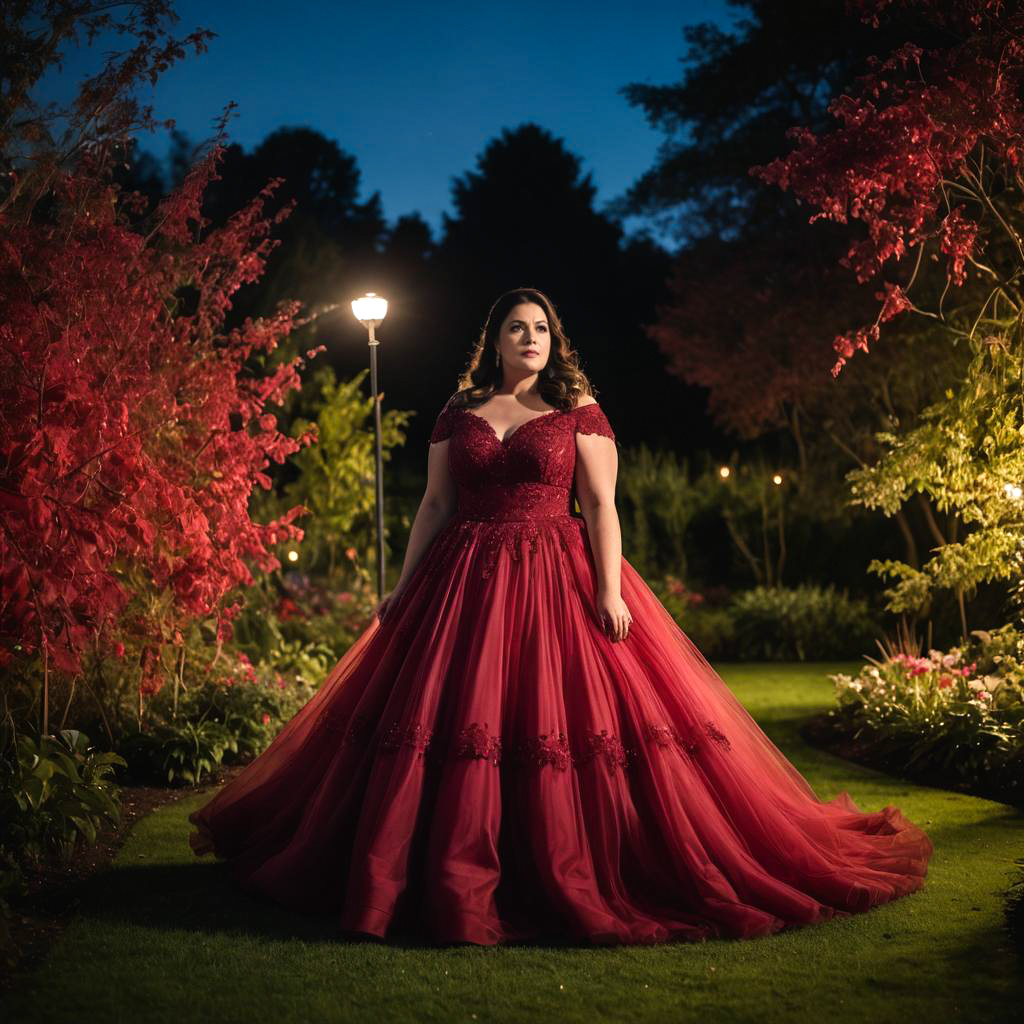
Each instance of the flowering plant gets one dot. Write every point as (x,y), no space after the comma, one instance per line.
(960,710)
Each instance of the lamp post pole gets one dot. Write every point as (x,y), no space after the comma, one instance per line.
(370,310)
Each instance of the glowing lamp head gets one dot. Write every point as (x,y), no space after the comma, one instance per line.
(723,472)
(293,555)
(371,308)
(777,479)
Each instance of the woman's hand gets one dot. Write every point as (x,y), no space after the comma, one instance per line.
(614,615)
(386,602)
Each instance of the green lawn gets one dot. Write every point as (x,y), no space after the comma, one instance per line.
(161,937)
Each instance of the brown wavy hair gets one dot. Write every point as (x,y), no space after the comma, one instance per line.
(560,383)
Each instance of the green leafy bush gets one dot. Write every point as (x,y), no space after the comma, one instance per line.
(215,724)
(806,623)
(180,752)
(703,616)
(770,623)
(299,626)
(55,791)
(656,503)
(712,629)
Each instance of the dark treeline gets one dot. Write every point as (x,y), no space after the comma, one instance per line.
(524,216)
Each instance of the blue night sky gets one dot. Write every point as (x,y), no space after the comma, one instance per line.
(415,91)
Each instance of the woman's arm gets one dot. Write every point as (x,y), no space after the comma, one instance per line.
(597,464)
(437,506)
(596,470)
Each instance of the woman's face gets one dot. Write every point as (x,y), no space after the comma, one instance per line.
(524,340)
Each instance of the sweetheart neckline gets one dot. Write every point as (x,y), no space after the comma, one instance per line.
(505,440)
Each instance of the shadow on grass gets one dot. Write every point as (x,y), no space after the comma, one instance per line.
(203,898)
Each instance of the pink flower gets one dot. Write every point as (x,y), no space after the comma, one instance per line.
(266,718)
(895,301)
(984,695)
(945,682)
(958,241)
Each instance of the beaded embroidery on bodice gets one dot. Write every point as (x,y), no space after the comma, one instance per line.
(528,474)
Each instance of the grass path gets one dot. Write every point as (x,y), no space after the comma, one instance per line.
(162,938)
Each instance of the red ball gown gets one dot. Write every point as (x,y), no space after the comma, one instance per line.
(486,765)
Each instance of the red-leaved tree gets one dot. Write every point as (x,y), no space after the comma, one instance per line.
(133,425)
(926,156)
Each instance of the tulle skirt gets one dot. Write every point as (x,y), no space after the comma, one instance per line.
(486,765)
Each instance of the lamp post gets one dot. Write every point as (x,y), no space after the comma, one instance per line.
(370,310)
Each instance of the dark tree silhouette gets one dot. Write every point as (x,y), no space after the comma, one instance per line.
(740,93)
(329,243)
(526,216)
(756,293)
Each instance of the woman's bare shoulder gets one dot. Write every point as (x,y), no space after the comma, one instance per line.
(584,400)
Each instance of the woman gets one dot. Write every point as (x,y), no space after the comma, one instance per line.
(523,744)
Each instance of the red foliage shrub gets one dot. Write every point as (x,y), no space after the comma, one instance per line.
(132,431)
(922,145)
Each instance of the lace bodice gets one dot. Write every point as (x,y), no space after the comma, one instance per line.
(528,474)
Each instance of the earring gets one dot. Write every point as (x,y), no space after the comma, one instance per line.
(497,357)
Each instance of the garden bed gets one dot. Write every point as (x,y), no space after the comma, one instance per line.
(825,732)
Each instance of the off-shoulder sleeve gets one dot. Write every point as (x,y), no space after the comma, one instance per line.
(443,424)
(590,419)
